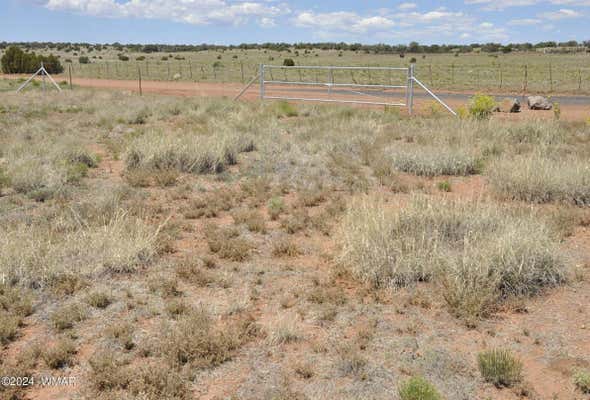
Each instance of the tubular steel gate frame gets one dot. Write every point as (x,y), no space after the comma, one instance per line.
(409,86)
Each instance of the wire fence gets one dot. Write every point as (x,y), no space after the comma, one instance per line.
(510,78)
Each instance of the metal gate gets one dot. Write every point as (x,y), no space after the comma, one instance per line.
(386,86)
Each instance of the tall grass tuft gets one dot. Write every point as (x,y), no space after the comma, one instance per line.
(434,160)
(499,367)
(538,178)
(480,253)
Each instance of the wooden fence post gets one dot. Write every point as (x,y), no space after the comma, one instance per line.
(70,73)
(139,77)
(550,78)
(579,79)
(525,83)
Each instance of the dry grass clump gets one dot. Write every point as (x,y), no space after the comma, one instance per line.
(275,207)
(186,152)
(67,315)
(191,271)
(66,244)
(60,354)
(99,299)
(499,367)
(9,325)
(253,219)
(540,179)
(210,204)
(227,243)
(434,160)
(480,252)
(285,247)
(196,341)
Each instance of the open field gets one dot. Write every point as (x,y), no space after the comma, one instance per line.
(533,72)
(173,247)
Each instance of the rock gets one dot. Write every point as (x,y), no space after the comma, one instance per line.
(176,76)
(538,103)
(509,105)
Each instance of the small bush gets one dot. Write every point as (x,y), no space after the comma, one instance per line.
(444,186)
(499,367)
(123,57)
(288,62)
(481,106)
(60,354)
(99,299)
(582,381)
(286,109)
(418,388)
(84,60)
(227,243)
(8,327)
(107,371)
(253,220)
(66,316)
(275,207)
(284,247)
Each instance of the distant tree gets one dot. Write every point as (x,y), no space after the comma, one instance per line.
(16,61)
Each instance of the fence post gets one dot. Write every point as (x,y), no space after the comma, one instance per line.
(261,81)
(525,83)
(410,89)
(550,78)
(190,70)
(579,79)
(500,74)
(139,77)
(70,74)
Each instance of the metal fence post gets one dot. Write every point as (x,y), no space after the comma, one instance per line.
(410,89)
(261,81)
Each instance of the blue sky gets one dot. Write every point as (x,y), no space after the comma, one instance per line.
(234,22)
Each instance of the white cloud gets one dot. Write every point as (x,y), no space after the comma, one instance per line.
(199,12)
(342,22)
(561,14)
(524,22)
(407,6)
(501,4)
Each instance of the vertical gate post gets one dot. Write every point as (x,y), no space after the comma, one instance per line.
(261,81)
(410,89)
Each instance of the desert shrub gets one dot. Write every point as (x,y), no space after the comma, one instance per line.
(123,57)
(499,367)
(444,186)
(186,153)
(540,179)
(8,327)
(475,249)
(190,270)
(122,332)
(227,243)
(350,361)
(283,246)
(481,106)
(275,207)
(253,219)
(152,382)
(432,161)
(60,354)
(418,388)
(196,341)
(582,381)
(286,109)
(140,58)
(99,299)
(66,316)
(107,371)
(288,62)
(84,60)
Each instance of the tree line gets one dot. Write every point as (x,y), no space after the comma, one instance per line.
(381,48)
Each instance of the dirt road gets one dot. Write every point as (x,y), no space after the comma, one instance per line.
(572,107)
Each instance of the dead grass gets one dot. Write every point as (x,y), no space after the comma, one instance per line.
(539,178)
(59,355)
(479,252)
(227,243)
